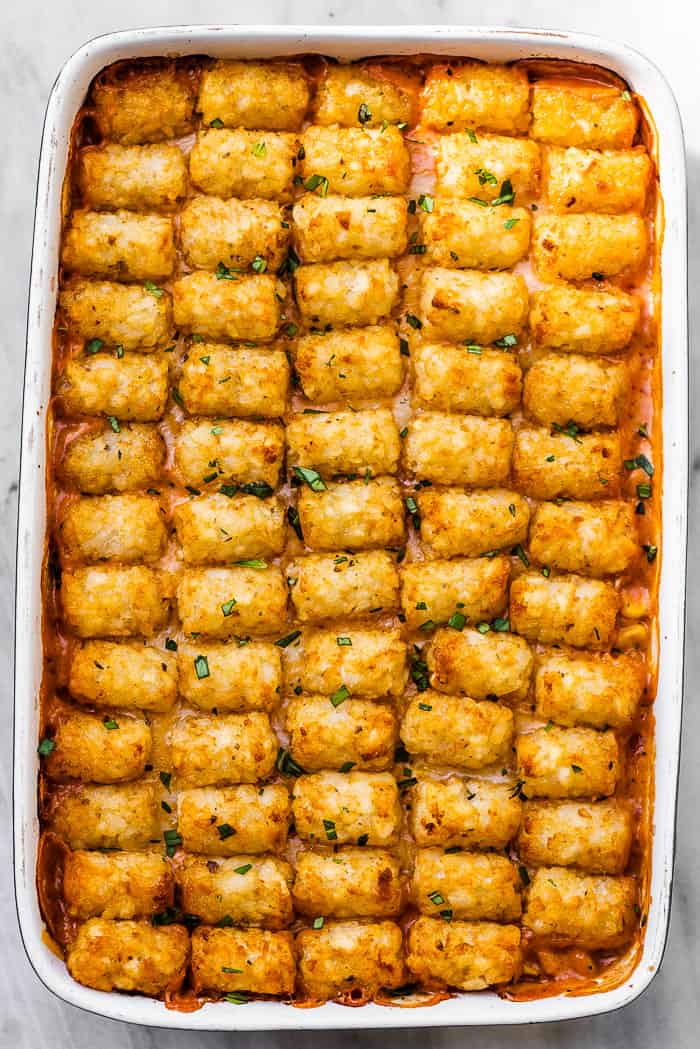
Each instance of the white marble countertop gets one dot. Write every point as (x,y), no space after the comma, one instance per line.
(35,39)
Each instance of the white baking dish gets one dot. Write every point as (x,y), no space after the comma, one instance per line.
(494,44)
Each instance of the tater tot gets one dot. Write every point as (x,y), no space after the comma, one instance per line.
(588,180)
(340,293)
(356,162)
(134,387)
(268,95)
(359,732)
(594,539)
(113,601)
(450,730)
(594,836)
(468,884)
(351,94)
(110,674)
(475,95)
(244,452)
(465,163)
(340,586)
(120,315)
(592,116)
(248,890)
(364,808)
(458,449)
(567,763)
(470,591)
(352,959)
(114,528)
(479,665)
(244,164)
(583,689)
(141,178)
(143,104)
(257,961)
(220,381)
(97,749)
(462,305)
(353,516)
(360,363)
(231,820)
(577,247)
(468,955)
(241,677)
(371,667)
(328,228)
(461,234)
(349,883)
(236,233)
(470,524)
(218,307)
(216,529)
(595,913)
(567,609)
(221,602)
(553,465)
(463,813)
(574,320)
(454,379)
(216,751)
(105,816)
(121,245)
(116,885)
(348,442)
(104,461)
(129,956)
(588,391)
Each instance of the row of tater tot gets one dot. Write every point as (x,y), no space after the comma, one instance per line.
(220,382)
(456,235)
(224,530)
(158,102)
(225,602)
(343,709)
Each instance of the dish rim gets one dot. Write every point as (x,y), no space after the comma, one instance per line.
(349,42)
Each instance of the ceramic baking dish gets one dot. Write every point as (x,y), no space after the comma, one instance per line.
(490,44)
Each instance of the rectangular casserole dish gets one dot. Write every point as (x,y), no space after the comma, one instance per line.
(248,42)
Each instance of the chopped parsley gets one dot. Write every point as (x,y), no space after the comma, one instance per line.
(285,642)
(340,695)
(201,667)
(317,182)
(364,116)
(286,765)
(172,839)
(311,477)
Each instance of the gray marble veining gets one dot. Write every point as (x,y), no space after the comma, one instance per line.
(35,38)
